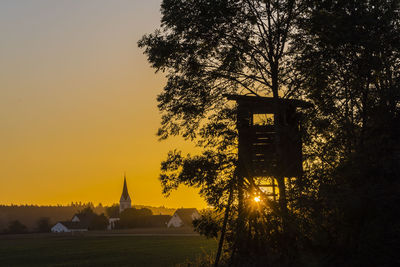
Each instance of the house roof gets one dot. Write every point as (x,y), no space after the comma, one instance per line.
(258,100)
(125,195)
(186,215)
(73,225)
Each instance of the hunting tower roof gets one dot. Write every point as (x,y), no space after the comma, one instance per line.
(261,100)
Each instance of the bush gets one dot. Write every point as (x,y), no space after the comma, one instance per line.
(113,211)
(131,218)
(43,225)
(208,225)
(98,222)
(16,227)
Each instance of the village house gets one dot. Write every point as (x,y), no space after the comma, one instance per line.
(68,226)
(80,222)
(183,218)
(112,223)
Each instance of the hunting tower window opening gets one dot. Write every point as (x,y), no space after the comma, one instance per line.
(262,119)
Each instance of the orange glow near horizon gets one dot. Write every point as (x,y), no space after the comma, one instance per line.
(78,105)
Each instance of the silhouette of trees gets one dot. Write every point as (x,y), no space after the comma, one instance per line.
(113,211)
(98,222)
(350,68)
(208,225)
(16,227)
(29,214)
(208,49)
(131,218)
(87,211)
(343,56)
(92,220)
(43,225)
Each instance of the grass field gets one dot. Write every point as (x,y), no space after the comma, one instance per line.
(50,250)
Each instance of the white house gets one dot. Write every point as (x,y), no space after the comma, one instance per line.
(78,223)
(67,227)
(183,217)
(111,223)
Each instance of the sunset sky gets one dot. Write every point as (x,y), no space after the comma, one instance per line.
(78,104)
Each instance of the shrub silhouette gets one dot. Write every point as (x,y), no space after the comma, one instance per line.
(16,227)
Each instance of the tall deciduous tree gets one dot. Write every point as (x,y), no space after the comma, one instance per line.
(43,225)
(349,60)
(341,55)
(207,49)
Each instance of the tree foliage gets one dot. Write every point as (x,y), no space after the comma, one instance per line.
(208,224)
(113,211)
(98,222)
(343,56)
(348,56)
(131,218)
(43,225)
(94,221)
(16,227)
(208,49)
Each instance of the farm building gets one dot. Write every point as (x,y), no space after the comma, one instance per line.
(78,223)
(111,223)
(68,226)
(183,217)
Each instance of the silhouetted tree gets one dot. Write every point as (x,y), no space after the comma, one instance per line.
(349,63)
(29,214)
(208,224)
(113,211)
(92,219)
(86,211)
(207,49)
(98,222)
(341,55)
(16,227)
(130,218)
(43,225)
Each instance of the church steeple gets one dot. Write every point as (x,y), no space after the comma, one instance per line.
(125,200)
(125,194)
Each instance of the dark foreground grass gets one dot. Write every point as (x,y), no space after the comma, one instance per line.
(102,251)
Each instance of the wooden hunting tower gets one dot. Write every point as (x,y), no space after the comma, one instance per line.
(269,141)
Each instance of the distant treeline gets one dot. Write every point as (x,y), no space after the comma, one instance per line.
(29,215)
(157,210)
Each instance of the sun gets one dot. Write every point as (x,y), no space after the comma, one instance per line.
(257,199)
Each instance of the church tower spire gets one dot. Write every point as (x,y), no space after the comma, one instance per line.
(125,200)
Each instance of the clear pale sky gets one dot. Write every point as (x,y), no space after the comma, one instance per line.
(78,104)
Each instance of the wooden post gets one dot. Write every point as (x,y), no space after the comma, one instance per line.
(224,224)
